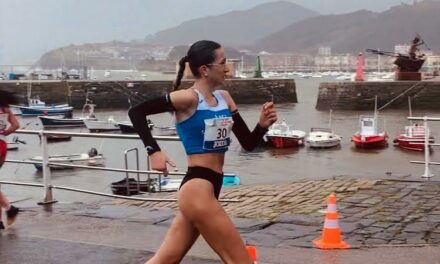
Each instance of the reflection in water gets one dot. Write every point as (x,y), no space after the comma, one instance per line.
(283,152)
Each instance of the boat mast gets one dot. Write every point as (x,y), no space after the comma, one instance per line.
(330,119)
(375,115)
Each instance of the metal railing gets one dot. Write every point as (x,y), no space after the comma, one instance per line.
(46,164)
(427,162)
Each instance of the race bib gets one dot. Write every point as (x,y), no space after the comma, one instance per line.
(217,133)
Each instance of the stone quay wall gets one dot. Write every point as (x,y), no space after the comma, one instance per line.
(360,95)
(115,94)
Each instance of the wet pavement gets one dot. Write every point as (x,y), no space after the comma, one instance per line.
(391,220)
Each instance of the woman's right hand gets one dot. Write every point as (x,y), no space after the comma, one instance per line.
(159,161)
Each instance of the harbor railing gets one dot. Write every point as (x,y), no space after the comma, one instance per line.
(427,161)
(48,197)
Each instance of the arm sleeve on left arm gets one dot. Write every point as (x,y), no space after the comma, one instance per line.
(248,140)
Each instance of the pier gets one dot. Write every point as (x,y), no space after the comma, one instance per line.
(360,95)
(115,93)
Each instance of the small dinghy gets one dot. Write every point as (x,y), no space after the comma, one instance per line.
(92,158)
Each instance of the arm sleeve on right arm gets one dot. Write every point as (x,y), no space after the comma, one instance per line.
(138,116)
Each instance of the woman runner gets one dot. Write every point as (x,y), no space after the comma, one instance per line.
(204,117)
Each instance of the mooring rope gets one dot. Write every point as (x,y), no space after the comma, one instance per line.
(395,98)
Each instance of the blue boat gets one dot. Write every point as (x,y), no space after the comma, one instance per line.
(230,180)
(46,110)
(36,107)
(173,184)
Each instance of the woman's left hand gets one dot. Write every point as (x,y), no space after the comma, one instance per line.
(268,115)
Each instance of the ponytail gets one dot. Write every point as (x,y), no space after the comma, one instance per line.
(178,80)
(7,98)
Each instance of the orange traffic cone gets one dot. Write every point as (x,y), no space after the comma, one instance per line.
(252,251)
(331,233)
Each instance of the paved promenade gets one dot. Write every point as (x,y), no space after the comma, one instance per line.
(372,213)
(385,221)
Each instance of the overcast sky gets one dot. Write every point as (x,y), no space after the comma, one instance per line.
(28,28)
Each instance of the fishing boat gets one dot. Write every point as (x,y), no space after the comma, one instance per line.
(368,135)
(414,136)
(51,110)
(92,158)
(280,135)
(323,138)
(37,107)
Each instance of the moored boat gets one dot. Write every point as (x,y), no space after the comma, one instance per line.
(131,186)
(98,126)
(323,138)
(56,121)
(92,158)
(62,121)
(413,138)
(50,110)
(127,126)
(280,135)
(368,135)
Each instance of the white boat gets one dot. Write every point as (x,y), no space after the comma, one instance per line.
(166,130)
(323,138)
(97,126)
(92,158)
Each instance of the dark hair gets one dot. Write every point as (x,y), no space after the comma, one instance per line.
(7,98)
(200,53)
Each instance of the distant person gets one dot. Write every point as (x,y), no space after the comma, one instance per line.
(413,50)
(8,124)
(205,118)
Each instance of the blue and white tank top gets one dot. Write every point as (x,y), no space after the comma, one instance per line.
(208,130)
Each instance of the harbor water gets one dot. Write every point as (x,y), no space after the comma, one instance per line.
(263,166)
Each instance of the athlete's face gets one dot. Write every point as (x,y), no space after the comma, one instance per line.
(217,70)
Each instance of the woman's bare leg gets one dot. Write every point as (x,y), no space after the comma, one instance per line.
(4,202)
(198,204)
(178,240)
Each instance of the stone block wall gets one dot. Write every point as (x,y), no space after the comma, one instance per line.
(115,94)
(360,95)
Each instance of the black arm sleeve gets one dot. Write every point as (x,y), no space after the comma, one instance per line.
(248,140)
(138,116)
